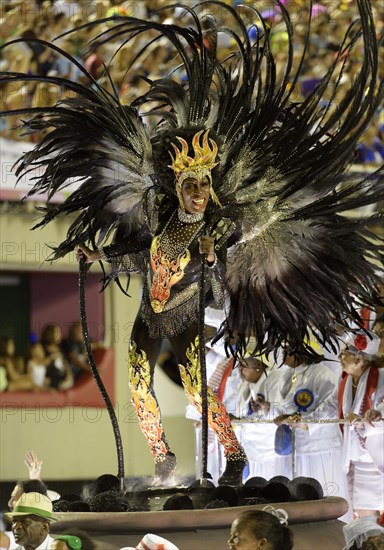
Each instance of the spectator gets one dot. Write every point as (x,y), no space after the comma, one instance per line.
(33,464)
(48,23)
(28,486)
(37,365)
(258,529)
(73,540)
(371,149)
(64,66)
(15,380)
(58,371)
(75,352)
(31,522)
(363,533)
(33,484)
(59,24)
(94,63)
(152,542)
(43,58)
(324,41)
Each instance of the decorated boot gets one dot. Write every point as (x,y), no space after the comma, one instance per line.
(164,469)
(233,473)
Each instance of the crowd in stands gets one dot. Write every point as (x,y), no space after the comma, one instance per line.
(51,363)
(52,18)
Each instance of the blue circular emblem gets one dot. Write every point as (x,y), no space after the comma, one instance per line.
(303,399)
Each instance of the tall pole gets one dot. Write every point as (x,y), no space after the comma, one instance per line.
(83,269)
(203,371)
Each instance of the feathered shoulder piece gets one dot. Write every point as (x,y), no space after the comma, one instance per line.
(305,256)
(93,139)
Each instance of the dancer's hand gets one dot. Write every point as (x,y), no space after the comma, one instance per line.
(84,253)
(207,246)
(33,464)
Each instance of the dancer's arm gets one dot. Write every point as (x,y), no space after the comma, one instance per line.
(119,263)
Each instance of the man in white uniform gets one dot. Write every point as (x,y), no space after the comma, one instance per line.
(308,391)
(258,438)
(241,390)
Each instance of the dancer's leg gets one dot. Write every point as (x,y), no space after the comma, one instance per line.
(143,355)
(187,350)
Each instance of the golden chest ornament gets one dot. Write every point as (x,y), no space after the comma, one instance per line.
(166,273)
(169,257)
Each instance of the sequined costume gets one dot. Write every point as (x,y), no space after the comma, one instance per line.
(170,265)
(169,309)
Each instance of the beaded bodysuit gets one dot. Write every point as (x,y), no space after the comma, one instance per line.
(169,309)
(171,270)
(169,257)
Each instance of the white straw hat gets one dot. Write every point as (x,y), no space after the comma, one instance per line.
(34,504)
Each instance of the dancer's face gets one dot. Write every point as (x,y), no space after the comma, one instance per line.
(195,194)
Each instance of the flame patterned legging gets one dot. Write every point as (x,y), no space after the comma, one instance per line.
(143,355)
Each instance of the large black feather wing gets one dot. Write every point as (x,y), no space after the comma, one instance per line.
(306,253)
(301,268)
(93,139)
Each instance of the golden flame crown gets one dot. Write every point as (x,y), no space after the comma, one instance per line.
(199,166)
